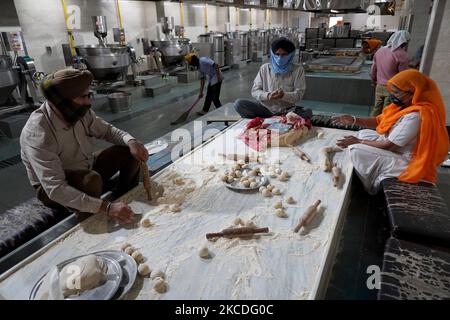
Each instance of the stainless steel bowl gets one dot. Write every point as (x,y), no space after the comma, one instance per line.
(173,51)
(105,63)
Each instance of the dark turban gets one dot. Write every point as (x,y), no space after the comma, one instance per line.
(66,84)
(284,44)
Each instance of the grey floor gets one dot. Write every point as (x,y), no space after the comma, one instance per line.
(365,228)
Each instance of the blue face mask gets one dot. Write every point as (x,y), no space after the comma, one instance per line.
(281,64)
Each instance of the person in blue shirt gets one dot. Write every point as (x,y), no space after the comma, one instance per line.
(207,67)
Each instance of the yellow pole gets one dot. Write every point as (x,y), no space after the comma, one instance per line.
(182,18)
(206,17)
(122,40)
(118,14)
(69,30)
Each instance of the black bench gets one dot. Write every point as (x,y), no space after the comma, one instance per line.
(412,271)
(417,211)
(24,222)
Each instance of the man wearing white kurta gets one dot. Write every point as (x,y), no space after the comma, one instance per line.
(278,86)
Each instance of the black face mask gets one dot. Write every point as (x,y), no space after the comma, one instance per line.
(397,101)
(72,111)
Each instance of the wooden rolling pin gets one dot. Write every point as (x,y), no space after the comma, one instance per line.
(237,232)
(147,184)
(307,216)
(299,152)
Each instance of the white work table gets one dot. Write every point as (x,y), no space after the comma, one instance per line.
(279,265)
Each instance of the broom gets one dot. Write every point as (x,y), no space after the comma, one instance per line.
(185,114)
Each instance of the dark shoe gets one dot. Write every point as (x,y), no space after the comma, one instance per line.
(201,113)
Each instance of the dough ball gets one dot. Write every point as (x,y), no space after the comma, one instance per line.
(270,187)
(129,250)
(224,178)
(276,191)
(290,200)
(144,269)
(253,173)
(238,221)
(204,253)
(285,174)
(161,200)
(246,183)
(320,135)
(178,181)
(281,213)
(137,256)
(236,167)
(253,184)
(282,178)
(175,208)
(232,174)
(278,205)
(146,223)
(278,171)
(262,188)
(158,274)
(238,174)
(124,245)
(241,162)
(250,224)
(160,285)
(92,272)
(243,179)
(267,193)
(230,179)
(211,168)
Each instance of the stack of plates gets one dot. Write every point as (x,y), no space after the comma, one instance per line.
(122,270)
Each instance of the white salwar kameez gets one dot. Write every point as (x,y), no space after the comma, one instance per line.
(373,165)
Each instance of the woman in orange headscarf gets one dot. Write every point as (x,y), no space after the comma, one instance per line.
(370,46)
(411,138)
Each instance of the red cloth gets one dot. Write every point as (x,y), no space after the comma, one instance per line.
(257,136)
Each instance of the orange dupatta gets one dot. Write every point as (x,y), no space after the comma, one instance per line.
(432,143)
(374,44)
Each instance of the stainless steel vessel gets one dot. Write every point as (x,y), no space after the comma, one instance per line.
(219,58)
(9,78)
(205,38)
(218,42)
(105,63)
(173,51)
(243,36)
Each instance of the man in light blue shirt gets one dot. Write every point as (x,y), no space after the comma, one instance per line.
(207,67)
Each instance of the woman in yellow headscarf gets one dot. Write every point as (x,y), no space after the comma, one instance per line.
(411,139)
